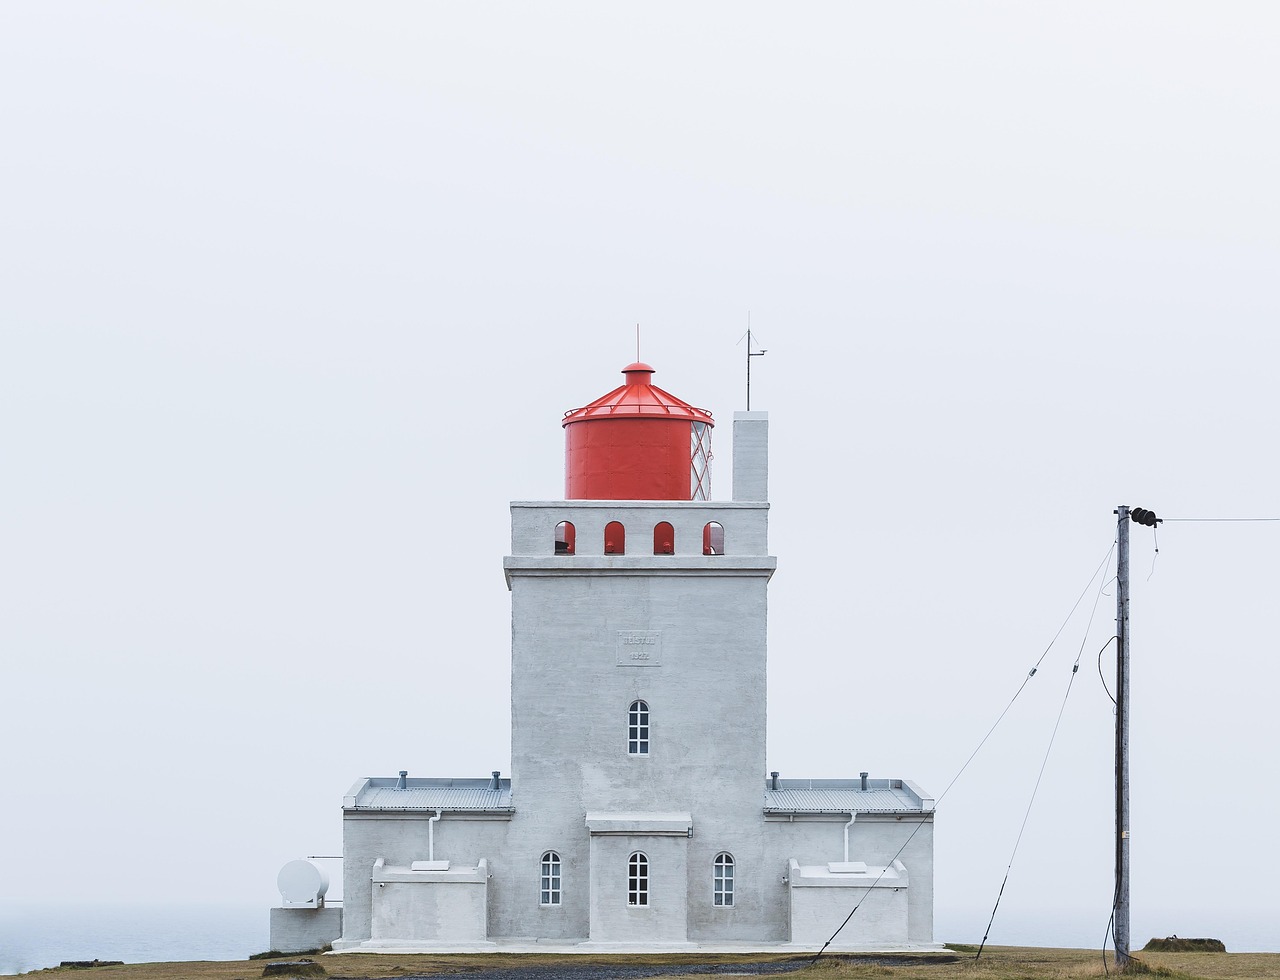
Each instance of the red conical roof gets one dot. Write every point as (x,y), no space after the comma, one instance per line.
(638,398)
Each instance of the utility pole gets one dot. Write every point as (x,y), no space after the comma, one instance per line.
(1147,518)
(1120,932)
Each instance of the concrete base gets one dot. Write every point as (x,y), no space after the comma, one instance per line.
(302,930)
(596,949)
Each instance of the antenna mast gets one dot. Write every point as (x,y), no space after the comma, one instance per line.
(750,355)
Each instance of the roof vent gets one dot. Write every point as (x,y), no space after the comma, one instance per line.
(493,783)
(864,781)
(403,781)
(773,780)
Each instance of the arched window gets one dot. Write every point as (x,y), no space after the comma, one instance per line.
(638,728)
(637,879)
(566,538)
(550,879)
(615,539)
(723,880)
(713,539)
(664,539)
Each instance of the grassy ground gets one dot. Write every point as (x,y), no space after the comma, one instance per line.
(997,963)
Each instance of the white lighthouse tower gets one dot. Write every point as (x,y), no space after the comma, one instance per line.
(638,675)
(639,813)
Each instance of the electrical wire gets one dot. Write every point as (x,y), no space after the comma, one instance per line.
(1219,520)
(1075,668)
(1100,674)
(1027,815)
(1106,559)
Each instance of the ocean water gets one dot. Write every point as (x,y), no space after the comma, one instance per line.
(38,935)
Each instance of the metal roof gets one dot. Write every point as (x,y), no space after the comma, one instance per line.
(638,398)
(474,795)
(845,796)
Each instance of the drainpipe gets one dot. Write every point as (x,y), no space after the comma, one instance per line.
(852,818)
(431,837)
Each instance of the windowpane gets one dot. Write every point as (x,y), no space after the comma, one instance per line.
(637,879)
(638,728)
(723,880)
(550,878)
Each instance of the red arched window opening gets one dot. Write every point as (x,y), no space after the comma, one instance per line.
(664,539)
(615,539)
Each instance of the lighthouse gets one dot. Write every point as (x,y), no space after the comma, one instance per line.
(640,813)
(638,673)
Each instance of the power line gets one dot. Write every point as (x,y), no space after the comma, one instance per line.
(1220,520)
(1106,559)
(1075,667)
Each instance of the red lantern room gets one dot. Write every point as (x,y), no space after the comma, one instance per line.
(638,442)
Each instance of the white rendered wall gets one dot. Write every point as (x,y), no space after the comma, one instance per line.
(301,930)
(431,906)
(698,622)
(819,905)
(750,455)
(874,839)
(399,839)
(665,918)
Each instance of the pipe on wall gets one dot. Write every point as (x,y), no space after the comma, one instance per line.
(430,837)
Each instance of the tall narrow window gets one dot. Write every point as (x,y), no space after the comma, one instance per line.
(550,879)
(565,538)
(638,728)
(713,539)
(638,879)
(615,539)
(723,879)
(664,539)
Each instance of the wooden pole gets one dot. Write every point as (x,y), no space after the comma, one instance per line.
(1121,929)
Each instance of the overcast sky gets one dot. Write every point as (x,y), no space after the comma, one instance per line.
(293,297)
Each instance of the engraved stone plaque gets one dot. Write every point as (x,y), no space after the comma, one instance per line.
(639,648)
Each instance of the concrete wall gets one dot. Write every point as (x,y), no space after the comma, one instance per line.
(435,906)
(302,930)
(820,903)
(875,839)
(533,525)
(592,633)
(665,918)
(399,839)
(750,455)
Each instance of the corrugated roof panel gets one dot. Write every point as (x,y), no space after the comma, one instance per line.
(840,800)
(375,797)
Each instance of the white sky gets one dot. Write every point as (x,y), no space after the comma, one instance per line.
(293,296)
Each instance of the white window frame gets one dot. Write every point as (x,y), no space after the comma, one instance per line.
(549,890)
(638,728)
(722,880)
(638,880)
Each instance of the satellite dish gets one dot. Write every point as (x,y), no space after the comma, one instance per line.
(302,885)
